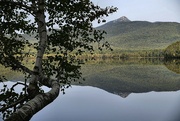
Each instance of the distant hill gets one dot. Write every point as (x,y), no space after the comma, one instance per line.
(173,50)
(125,34)
(134,35)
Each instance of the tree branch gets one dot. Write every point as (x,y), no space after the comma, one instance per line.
(29,9)
(25,69)
(36,104)
(17,65)
(14,104)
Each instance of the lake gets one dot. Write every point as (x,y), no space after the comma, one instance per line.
(120,90)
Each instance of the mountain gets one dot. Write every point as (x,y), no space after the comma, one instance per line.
(124,34)
(138,35)
(122,19)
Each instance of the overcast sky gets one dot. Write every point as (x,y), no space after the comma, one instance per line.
(143,10)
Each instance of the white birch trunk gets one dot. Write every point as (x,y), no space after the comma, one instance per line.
(39,101)
(26,112)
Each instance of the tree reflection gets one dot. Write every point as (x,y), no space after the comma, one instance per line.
(111,79)
(173,65)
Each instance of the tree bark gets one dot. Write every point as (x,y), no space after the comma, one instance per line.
(38,101)
(26,112)
(40,18)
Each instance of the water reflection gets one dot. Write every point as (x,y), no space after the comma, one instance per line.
(127,90)
(93,104)
(132,76)
(85,103)
(173,65)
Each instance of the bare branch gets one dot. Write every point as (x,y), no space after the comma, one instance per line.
(14,104)
(18,83)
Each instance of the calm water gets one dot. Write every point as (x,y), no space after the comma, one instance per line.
(93,104)
(120,91)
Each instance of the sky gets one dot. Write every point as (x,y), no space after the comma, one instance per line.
(143,10)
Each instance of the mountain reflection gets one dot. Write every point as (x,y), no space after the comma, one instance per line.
(123,94)
(123,77)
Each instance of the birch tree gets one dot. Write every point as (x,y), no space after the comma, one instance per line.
(63,30)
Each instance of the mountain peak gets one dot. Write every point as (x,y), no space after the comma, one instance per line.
(122,19)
